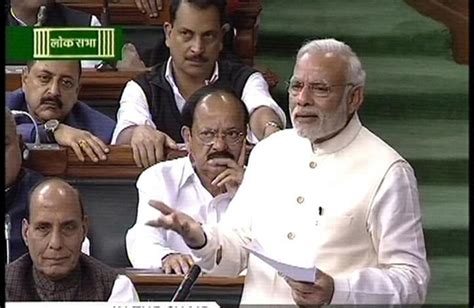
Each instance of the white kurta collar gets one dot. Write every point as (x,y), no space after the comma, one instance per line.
(341,140)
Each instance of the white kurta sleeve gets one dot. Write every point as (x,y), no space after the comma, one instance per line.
(256,94)
(123,291)
(235,229)
(147,245)
(133,109)
(394,222)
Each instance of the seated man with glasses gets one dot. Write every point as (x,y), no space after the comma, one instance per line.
(200,185)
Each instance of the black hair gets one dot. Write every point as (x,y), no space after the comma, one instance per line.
(30,64)
(189,108)
(45,181)
(202,4)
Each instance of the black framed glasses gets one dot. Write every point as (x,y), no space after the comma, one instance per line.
(231,136)
(317,89)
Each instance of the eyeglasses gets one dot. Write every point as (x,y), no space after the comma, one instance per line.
(317,89)
(209,136)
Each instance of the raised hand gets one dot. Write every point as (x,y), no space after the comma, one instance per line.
(189,229)
(232,176)
(81,142)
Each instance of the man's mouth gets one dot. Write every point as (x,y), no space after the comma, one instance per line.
(220,155)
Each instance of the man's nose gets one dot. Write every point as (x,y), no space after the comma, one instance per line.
(219,143)
(197,45)
(55,88)
(55,241)
(304,97)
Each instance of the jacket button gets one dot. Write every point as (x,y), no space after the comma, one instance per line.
(300,199)
(291,235)
(313,164)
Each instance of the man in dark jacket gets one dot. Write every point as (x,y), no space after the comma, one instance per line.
(49,93)
(54,269)
(149,117)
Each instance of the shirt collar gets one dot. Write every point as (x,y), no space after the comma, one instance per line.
(188,172)
(170,79)
(342,139)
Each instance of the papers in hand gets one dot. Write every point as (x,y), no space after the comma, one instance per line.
(306,274)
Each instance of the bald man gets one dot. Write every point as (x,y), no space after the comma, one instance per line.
(54,269)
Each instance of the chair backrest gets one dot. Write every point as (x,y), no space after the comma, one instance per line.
(111,206)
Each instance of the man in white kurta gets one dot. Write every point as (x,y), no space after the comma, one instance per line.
(328,193)
(200,185)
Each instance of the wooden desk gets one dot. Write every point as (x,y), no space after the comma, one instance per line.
(153,285)
(95,86)
(64,163)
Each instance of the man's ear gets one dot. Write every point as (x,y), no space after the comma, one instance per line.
(167,27)
(355,99)
(85,226)
(24,230)
(186,134)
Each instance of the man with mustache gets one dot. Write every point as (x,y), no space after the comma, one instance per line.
(49,93)
(327,194)
(149,117)
(54,269)
(201,184)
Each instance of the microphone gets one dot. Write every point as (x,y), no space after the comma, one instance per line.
(37,145)
(8,228)
(185,287)
(41,17)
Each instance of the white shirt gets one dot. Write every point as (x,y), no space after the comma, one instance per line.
(176,184)
(123,291)
(261,209)
(134,109)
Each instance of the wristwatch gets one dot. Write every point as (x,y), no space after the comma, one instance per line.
(50,127)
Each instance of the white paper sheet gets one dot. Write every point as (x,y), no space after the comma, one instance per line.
(306,274)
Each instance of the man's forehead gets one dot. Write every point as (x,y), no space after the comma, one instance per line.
(321,65)
(64,68)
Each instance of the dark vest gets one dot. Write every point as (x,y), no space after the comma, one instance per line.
(160,96)
(91,281)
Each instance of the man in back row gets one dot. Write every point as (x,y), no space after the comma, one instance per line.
(327,194)
(54,269)
(149,117)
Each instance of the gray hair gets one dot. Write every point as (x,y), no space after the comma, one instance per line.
(355,73)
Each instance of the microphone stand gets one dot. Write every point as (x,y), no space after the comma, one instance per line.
(37,145)
(8,227)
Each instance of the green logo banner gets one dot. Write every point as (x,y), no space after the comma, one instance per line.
(38,43)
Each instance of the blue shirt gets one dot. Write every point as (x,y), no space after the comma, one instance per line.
(81,117)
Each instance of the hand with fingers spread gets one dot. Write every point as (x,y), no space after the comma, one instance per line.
(191,231)
(233,175)
(176,263)
(82,142)
(318,293)
(149,145)
(150,7)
